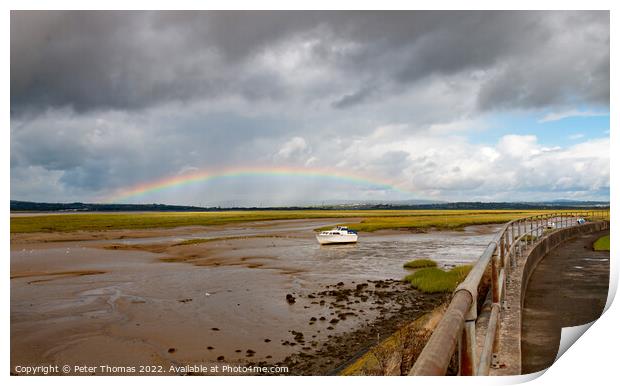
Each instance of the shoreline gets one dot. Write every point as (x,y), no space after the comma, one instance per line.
(405,305)
(155,300)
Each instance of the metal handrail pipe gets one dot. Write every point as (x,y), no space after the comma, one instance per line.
(435,357)
(501,280)
(471,282)
(489,340)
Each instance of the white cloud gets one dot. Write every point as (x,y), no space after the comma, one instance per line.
(556,116)
(517,167)
(293,149)
(518,146)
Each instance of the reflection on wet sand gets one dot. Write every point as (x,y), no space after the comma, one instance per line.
(147,298)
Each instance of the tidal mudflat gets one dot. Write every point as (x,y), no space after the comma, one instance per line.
(256,292)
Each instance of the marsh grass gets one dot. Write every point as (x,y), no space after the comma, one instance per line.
(456,220)
(602,244)
(371,220)
(433,280)
(420,263)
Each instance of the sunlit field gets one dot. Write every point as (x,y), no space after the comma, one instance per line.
(371,220)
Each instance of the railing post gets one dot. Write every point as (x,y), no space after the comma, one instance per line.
(496,341)
(502,249)
(498,289)
(518,237)
(510,240)
(563,220)
(541,220)
(495,268)
(467,346)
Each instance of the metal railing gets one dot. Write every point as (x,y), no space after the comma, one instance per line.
(457,328)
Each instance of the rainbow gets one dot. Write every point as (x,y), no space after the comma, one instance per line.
(210,175)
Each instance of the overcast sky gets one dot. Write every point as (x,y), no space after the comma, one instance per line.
(444,105)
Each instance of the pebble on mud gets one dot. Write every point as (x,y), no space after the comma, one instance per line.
(290,298)
(171,350)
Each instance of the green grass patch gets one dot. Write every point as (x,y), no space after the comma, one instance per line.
(432,280)
(602,244)
(420,263)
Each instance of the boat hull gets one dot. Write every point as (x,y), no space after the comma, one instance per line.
(337,239)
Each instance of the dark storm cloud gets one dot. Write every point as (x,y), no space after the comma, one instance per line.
(102,100)
(120,60)
(117,149)
(131,60)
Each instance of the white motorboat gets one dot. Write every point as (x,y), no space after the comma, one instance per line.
(338,235)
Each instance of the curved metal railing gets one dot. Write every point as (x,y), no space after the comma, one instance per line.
(458,325)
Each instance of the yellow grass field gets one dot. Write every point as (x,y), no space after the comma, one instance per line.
(371,220)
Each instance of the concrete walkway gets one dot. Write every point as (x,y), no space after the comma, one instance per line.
(568,288)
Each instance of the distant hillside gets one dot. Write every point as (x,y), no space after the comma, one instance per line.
(25,206)
(565,204)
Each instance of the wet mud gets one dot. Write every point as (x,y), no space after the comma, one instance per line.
(255,293)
